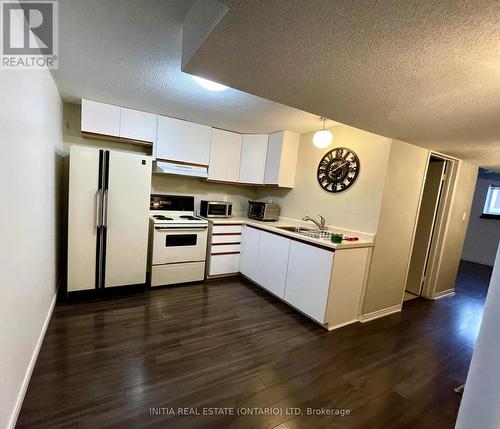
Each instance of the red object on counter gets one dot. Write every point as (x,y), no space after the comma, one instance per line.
(351,238)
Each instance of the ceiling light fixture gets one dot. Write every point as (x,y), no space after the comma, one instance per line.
(208,84)
(323,138)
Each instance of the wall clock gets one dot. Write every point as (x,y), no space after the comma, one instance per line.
(338,169)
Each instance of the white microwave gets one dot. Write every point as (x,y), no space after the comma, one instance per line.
(216,208)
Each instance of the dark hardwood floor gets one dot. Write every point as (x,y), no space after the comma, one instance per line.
(105,364)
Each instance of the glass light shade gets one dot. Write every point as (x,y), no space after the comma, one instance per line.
(208,84)
(322,139)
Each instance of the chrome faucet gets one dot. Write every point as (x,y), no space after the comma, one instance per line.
(321,224)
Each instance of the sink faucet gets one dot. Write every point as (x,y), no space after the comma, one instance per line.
(320,224)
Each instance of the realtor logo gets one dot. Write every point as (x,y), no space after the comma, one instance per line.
(29,34)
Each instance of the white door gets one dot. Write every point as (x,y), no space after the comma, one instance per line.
(273,262)
(127,219)
(308,279)
(137,125)
(250,240)
(253,158)
(425,226)
(100,118)
(225,153)
(183,141)
(82,217)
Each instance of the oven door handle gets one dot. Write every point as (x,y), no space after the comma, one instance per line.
(174,228)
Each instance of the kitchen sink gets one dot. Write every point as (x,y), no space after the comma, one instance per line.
(308,232)
(297,229)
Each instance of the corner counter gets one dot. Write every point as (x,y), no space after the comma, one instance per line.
(323,280)
(365,239)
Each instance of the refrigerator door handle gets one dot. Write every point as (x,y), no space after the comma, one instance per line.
(98,209)
(105,208)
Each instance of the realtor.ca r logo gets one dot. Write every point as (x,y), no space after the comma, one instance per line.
(29,34)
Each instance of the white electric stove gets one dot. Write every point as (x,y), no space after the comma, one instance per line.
(178,241)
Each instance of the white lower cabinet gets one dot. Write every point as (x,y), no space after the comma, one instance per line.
(273,262)
(324,284)
(308,279)
(222,264)
(250,241)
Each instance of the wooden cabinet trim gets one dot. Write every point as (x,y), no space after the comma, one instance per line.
(226,233)
(90,135)
(181,162)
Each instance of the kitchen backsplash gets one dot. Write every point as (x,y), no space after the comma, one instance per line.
(202,190)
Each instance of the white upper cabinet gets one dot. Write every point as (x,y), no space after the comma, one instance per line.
(253,158)
(100,118)
(183,141)
(225,153)
(281,163)
(137,125)
(308,279)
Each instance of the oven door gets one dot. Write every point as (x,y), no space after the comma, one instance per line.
(172,244)
(256,211)
(217,210)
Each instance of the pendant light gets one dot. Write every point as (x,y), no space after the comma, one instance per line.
(323,138)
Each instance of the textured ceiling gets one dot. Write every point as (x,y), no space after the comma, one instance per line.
(425,72)
(128,52)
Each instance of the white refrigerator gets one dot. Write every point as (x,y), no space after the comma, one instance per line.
(108,218)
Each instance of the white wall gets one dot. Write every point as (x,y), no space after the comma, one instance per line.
(483,235)
(480,406)
(393,243)
(30,218)
(358,207)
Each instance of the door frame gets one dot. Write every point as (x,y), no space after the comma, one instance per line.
(435,253)
(441,228)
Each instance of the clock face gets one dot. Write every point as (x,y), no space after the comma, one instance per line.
(338,169)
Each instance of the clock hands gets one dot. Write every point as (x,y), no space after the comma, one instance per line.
(340,166)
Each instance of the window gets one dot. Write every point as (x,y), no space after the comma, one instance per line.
(492,204)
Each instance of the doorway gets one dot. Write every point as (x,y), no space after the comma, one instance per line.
(425,233)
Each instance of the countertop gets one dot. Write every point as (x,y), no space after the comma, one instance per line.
(365,240)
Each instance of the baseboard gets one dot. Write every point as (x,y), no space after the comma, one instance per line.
(340,325)
(444,294)
(31,366)
(380,313)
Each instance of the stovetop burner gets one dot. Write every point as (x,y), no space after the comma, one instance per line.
(161,217)
(189,217)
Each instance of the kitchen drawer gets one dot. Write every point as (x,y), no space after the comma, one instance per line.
(231,238)
(224,248)
(224,264)
(169,274)
(226,229)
